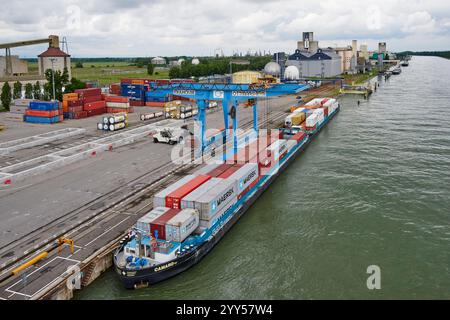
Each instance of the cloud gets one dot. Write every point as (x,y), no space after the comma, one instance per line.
(199,27)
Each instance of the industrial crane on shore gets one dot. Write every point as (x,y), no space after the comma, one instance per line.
(227,93)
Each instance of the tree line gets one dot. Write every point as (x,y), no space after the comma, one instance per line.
(62,85)
(442,54)
(209,67)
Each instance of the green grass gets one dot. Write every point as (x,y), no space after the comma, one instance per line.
(360,77)
(107,72)
(110,72)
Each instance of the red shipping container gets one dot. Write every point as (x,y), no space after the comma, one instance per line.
(117,99)
(219,170)
(75,109)
(155,104)
(160,223)
(324,101)
(79,115)
(298,136)
(137,103)
(75,103)
(91,99)
(96,112)
(95,105)
(325,111)
(173,200)
(45,114)
(230,171)
(114,88)
(91,92)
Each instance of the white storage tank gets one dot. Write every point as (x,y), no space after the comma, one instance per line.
(292,73)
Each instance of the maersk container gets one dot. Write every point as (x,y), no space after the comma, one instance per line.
(173,200)
(143,223)
(158,226)
(159,200)
(189,201)
(216,199)
(230,171)
(209,223)
(182,225)
(245,176)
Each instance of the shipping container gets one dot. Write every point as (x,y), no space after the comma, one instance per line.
(291,144)
(216,199)
(42,120)
(277,148)
(312,120)
(95,105)
(245,176)
(182,225)
(298,136)
(188,202)
(230,171)
(173,200)
(91,92)
(219,170)
(158,226)
(208,168)
(44,105)
(117,99)
(143,224)
(159,200)
(45,114)
(209,223)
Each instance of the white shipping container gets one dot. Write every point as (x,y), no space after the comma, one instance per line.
(189,201)
(245,176)
(291,144)
(207,224)
(213,201)
(315,102)
(159,200)
(288,120)
(311,121)
(182,225)
(144,222)
(277,148)
(122,105)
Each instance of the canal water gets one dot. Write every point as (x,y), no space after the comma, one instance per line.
(372,189)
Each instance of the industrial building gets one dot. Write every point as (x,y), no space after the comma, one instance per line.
(159,61)
(19,67)
(324,63)
(54,59)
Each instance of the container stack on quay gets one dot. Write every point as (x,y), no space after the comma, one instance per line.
(44,112)
(114,122)
(83,103)
(118,104)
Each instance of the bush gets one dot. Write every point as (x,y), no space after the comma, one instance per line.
(6,96)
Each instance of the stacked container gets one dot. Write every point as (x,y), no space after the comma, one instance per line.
(159,200)
(117,104)
(182,225)
(173,199)
(43,112)
(311,122)
(135,93)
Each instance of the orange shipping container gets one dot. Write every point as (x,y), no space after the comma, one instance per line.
(137,81)
(70,97)
(39,113)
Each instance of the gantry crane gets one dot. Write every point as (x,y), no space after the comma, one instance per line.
(226,93)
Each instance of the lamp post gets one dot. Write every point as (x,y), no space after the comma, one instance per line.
(53,78)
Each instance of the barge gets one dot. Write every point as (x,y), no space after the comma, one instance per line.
(164,242)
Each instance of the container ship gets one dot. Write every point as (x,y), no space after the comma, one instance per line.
(193,214)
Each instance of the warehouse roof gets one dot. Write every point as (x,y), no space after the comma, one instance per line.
(53,52)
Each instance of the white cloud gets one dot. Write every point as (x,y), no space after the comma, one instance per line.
(198,27)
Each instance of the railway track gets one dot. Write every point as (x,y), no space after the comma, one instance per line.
(133,193)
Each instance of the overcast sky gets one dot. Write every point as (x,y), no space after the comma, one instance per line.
(115,28)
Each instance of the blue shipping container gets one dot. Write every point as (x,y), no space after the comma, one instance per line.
(31,119)
(44,105)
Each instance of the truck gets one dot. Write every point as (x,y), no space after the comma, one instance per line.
(171,136)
